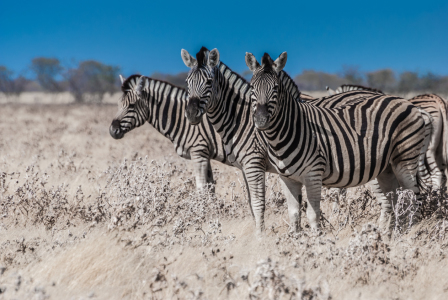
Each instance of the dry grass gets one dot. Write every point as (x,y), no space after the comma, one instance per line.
(85,216)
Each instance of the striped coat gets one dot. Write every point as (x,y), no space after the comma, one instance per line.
(224,97)
(370,135)
(162,105)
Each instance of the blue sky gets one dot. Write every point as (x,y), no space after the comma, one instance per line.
(147,36)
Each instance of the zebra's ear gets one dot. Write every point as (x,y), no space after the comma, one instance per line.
(213,58)
(122,79)
(280,62)
(251,62)
(189,60)
(139,86)
(330,91)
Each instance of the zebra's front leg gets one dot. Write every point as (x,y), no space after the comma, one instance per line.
(248,195)
(314,194)
(210,180)
(293,193)
(256,182)
(204,174)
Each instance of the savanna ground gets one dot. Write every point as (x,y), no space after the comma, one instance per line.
(83,216)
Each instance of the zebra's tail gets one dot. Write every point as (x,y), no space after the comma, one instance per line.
(423,174)
(444,112)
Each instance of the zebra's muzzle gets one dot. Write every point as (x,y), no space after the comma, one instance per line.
(193,112)
(261,117)
(115,130)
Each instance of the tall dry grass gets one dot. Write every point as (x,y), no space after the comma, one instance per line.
(85,216)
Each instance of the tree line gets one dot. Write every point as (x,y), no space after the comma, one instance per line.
(385,79)
(91,80)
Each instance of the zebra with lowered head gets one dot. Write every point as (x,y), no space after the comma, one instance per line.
(162,105)
(372,136)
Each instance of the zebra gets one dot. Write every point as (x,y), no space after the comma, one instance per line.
(437,154)
(215,90)
(162,105)
(371,136)
(224,96)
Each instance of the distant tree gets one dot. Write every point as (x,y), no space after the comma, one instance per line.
(6,81)
(430,82)
(9,85)
(409,81)
(311,80)
(442,85)
(382,79)
(93,78)
(47,70)
(178,79)
(352,75)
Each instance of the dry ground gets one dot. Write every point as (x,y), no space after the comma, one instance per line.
(83,216)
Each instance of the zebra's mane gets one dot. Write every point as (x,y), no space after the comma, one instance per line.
(266,61)
(354,87)
(290,85)
(131,83)
(228,73)
(423,96)
(202,56)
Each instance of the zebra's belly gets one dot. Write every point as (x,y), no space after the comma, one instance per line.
(351,176)
(347,175)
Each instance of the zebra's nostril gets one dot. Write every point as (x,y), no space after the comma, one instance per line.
(115,130)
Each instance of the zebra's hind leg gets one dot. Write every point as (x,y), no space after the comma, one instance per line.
(408,180)
(293,192)
(335,195)
(434,157)
(314,195)
(384,187)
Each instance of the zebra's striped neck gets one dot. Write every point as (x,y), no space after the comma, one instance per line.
(166,107)
(291,131)
(230,109)
(289,85)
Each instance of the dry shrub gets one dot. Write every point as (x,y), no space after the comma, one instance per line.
(270,282)
(158,197)
(33,202)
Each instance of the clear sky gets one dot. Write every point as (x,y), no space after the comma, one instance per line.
(147,36)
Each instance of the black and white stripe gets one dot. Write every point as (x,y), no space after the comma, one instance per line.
(163,105)
(223,95)
(369,136)
(437,154)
